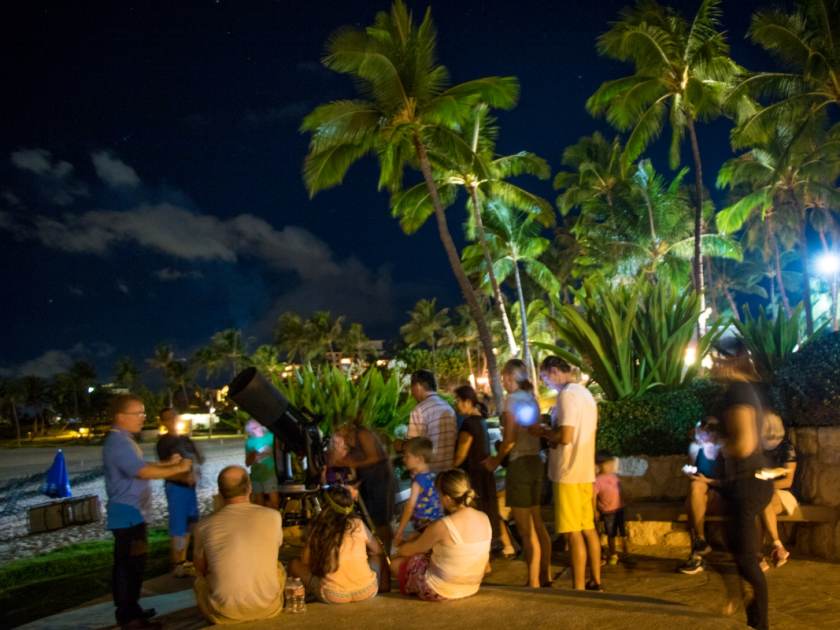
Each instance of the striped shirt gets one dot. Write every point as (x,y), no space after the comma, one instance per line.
(433,418)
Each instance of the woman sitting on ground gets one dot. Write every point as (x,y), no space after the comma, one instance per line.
(336,564)
(459,542)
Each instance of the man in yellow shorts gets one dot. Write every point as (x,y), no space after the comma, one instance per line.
(571,468)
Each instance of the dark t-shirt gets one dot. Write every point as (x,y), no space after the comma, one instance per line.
(783,454)
(476,426)
(168,445)
(737,394)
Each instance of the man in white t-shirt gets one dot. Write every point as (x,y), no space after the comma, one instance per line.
(236,554)
(571,468)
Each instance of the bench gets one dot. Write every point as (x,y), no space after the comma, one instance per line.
(674,511)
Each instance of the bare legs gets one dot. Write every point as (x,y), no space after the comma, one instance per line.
(698,500)
(536,544)
(581,545)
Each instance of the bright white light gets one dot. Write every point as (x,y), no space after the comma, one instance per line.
(828,264)
(690,355)
(526,413)
(90,389)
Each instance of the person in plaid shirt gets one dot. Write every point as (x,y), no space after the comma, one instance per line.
(432,418)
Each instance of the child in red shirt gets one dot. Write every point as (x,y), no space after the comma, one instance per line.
(609,506)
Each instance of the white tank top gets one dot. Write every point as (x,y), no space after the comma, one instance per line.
(456,570)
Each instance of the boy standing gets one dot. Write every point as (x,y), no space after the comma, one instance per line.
(423,504)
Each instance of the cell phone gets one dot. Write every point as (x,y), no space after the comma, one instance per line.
(688,469)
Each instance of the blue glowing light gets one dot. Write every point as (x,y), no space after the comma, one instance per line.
(525,413)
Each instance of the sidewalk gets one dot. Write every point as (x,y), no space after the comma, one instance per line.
(648,595)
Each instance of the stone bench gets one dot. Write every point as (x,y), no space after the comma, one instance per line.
(659,523)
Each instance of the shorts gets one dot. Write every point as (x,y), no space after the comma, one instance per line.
(324,594)
(266,485)
(524,482)
(614,523)
(573,509)
(412,578)
(183,508)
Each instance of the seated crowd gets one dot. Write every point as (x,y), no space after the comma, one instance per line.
(441,547)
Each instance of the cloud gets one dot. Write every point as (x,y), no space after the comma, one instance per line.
(290,112)
(57,182)
(122,287)
(76,291)
(167,274)
(113,171)
(55,361)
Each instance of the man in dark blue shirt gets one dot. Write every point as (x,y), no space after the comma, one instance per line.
(127,478)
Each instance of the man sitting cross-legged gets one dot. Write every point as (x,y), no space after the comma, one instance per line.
(236,554)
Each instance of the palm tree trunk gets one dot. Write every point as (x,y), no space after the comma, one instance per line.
(494,282)
(17,421)
(710,283)
(460,274)
(777,262)
(697,262)
(523,314)
(732,304)
(806,274)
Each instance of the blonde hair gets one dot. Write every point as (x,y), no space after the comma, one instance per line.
(772,430)
(519,371)
(455,484)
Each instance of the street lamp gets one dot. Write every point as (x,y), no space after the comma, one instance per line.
(828,266)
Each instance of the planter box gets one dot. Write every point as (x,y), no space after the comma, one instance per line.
(64,513)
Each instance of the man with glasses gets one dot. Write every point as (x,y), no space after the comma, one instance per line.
(127,478)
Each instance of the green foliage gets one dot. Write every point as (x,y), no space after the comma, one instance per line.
(450,368)
(771,341)
(632,339)
(806,390)
(378,401)
(658,423)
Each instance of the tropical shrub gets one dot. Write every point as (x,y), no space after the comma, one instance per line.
(632,339)
(450,364)
(806,389)
(771,341)
(658,423)
(381,402)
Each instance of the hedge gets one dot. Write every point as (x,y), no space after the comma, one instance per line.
(658,423)
(806,388)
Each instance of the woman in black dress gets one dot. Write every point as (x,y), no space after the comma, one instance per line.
(472,449)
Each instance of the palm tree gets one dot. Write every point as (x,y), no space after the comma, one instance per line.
(126,373)
(327,331)
(229,348)
(406,117)
(683,71)
(483,175)
(82,376)
(514,240)
(462,333)
(732,277)
(11,394)
(794,171)
(162,360)
(807,43)
(355,342)
(266,359)
(425,326)
(293,336)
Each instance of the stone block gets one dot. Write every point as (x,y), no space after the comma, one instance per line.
(828,439)
(835,555)
(677,538)
(647,533)
(828,485)
(805,440)
(807,469)
(635,489)
(822,540)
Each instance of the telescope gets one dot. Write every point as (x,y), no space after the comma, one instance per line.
(295,430)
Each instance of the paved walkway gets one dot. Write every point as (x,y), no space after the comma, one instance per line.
(648,595)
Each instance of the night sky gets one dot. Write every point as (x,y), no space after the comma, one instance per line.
(150,160)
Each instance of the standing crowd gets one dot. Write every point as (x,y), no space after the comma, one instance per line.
(450,526)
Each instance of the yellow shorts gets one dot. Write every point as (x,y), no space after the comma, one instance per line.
(573,509)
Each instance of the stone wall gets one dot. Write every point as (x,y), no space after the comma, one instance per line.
(818,482)
(662,481)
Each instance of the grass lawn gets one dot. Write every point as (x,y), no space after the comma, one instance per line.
(40,586)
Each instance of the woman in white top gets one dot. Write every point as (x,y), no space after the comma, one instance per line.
(459,542)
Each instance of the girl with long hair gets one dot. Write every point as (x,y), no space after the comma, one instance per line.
(459,545)
(336,565)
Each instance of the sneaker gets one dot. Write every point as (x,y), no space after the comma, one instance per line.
(779,556)
(592,585)
(613,560)
(700,547)
(695,565)
(183,570)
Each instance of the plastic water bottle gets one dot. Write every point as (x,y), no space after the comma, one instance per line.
(295,596)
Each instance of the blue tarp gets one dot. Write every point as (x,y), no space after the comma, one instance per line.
(57,484)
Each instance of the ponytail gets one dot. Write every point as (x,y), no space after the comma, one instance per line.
(455,484)
(519,371)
